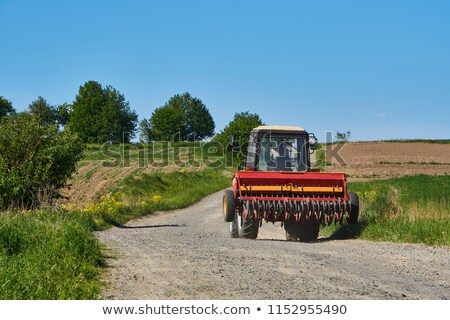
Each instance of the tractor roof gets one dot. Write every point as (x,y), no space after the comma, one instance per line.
(279,128)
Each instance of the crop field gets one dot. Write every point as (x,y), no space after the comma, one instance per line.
(363,161)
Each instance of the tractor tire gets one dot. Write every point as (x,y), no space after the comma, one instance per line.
(234,227)
(291,231)
(247,229)
(229,207)
(354,208)
(309,231)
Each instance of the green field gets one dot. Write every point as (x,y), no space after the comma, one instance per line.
(160,154)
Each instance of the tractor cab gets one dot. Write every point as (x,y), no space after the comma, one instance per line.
(280,148)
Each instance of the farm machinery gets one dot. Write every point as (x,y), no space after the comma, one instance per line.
(278,184)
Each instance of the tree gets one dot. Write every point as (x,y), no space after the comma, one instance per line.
(6,107)
(42,111)
(86,115)
(182,118)
(241,125)
(35,161)
(118,112)
(168,123)
(145,131)
(343,136)
(199,122)
(62,113)
(102,114)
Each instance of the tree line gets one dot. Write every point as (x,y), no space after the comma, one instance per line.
(40,147)
(97,115)
(102,114)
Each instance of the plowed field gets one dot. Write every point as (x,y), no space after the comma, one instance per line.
(383,160)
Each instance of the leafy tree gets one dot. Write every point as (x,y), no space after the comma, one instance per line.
(62,113)
(42,111)
(86,112)
(117,112)
(145,131)
(241,125)
(199,122)
(182,118)
(102,114)
(35,161)
(168,123)
(343,136)
(6,107)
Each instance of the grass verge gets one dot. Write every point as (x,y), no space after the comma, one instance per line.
(140,194)
(55,255)
(48,255)
(414,209)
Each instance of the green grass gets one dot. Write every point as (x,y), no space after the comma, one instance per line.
(48,255)
(177,189)
(141,194)
(54,254)
(321,161)
(207,152)
(89,175)
(414,209)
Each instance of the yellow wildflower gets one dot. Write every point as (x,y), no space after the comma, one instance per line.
(156,199)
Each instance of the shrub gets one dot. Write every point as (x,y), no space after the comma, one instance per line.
(35,161)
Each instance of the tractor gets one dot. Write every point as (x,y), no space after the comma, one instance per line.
(278,184)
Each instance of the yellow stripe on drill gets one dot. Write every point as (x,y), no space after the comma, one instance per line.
(292,189)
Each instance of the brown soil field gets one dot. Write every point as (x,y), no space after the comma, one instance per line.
(384,160)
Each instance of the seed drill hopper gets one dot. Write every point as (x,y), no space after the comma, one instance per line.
(279,185)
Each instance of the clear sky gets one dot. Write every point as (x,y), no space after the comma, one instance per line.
(380,68)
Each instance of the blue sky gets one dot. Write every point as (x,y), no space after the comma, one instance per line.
(379,68)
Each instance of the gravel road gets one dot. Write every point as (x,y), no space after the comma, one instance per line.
(188,254)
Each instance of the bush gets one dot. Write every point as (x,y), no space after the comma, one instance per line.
(35,161)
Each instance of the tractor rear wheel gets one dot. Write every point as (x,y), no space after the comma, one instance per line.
(234,227)
(247,228)
(229,207)
(354,208)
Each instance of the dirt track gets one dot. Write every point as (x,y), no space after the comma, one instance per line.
(188,254)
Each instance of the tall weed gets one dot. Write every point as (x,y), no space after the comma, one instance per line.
(408,209)
(48,255)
